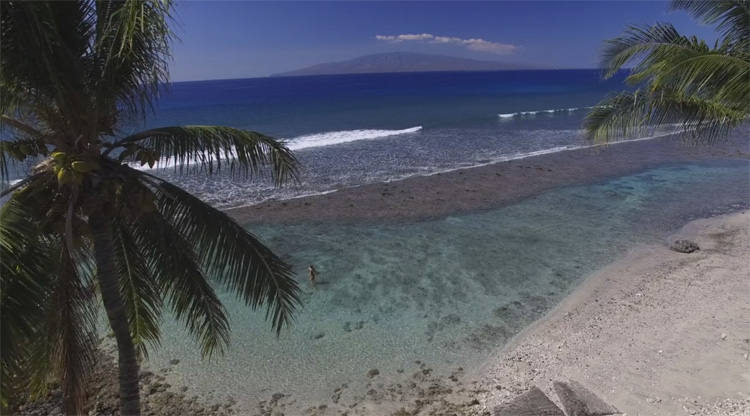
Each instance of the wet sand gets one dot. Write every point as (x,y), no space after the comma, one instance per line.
(487,187)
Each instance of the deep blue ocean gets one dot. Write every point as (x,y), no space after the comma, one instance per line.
(349,130)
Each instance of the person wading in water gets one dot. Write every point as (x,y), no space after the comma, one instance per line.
(313,274)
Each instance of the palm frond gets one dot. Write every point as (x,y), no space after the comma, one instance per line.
(22,127)
(730,16)
(140,292)
(72,327)
(231,255)
(186,289)
(133,46)
(644,45)
(210,149)
(16,152)
(639,113)
(43,43)
(713,76)
(24,285)
(47,307)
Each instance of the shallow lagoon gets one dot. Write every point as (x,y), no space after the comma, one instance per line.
(446,291)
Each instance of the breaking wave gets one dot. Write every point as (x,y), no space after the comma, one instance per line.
(338,137)
(533,113)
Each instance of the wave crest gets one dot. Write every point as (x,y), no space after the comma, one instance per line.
(533,113)
(347,136)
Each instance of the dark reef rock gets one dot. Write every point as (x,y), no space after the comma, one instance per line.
(684,246)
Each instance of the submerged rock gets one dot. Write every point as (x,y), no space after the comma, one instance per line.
(684,246)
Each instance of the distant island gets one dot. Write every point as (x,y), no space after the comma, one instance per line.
(403,62)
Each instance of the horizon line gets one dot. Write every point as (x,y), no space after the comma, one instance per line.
(379,73)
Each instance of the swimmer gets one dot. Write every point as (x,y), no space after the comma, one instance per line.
(313,274)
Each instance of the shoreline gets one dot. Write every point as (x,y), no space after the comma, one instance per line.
(542,351)
(631,333)
(486,187)
(644,332)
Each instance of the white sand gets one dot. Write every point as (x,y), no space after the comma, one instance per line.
(655,333)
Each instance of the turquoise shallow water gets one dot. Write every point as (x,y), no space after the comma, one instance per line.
(447,291)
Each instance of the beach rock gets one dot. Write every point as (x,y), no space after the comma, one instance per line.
(174,361)
(531,403)
(319,335)
(579,401)
(684,246)
(372,373)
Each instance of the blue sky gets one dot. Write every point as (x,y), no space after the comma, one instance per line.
(243,39)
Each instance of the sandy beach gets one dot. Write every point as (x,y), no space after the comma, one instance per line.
(655,333)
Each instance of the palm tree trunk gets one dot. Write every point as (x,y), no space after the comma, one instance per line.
(101,230)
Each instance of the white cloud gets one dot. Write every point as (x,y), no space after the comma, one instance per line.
(400,38)
(480,45)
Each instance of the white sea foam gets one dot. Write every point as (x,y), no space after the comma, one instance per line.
(533,113)
(339,137)
(297,143)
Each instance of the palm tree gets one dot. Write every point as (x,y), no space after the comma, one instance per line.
(683,83)
(85,225)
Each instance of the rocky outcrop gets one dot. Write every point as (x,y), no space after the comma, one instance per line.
(576,399)
(579,401)
(532,403)
(684,246)
(158,397)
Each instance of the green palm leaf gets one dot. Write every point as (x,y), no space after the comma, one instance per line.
(644,45)
(231,255)
(181,280)
(48,309)
(133,40)
(730,16)
(71,330)
(24,284)
(19,151)
(140,290)
(41,50)
(685,84)
(210,149)
(640,113)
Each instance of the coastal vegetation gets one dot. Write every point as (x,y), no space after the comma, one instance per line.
(87,227)
(682,82)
